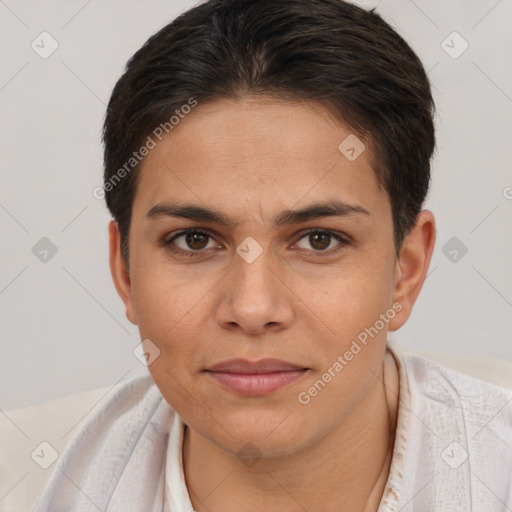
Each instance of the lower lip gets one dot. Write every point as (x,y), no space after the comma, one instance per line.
(256,384)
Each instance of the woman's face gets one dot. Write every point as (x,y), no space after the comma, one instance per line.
(255,279)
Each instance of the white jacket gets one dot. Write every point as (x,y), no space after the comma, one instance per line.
(108,449)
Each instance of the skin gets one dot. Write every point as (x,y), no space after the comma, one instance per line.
(301,301)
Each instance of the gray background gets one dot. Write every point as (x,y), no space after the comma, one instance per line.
(63,327)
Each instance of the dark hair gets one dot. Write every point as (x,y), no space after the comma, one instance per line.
(327,51)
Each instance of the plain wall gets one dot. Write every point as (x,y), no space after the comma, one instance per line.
(63,327)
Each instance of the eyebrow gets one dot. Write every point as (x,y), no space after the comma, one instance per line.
(202,214)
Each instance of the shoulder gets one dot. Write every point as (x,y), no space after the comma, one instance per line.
(33,438)
(458,388)
(494,371)
(481,394)
(461,431)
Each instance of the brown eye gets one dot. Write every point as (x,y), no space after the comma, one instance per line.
(192,241)
(322,241)
(196,240)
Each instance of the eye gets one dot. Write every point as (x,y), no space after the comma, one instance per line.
(191,241)
(194,242)
(321,241)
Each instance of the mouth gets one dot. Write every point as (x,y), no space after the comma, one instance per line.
(257,378)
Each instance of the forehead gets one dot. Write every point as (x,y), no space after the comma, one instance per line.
(251,152)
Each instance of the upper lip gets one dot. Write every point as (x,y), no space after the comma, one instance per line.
(261,366)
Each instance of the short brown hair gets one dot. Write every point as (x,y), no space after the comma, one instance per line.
(330,51)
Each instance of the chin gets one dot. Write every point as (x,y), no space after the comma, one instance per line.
(258,435)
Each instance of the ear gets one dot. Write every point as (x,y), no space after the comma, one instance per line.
(412,266)
(120,274)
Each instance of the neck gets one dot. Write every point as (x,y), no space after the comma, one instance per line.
(347,469)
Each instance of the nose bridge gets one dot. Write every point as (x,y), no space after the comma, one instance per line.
(254,298)
(252,275)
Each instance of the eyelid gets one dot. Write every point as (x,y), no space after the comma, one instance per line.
(341,236)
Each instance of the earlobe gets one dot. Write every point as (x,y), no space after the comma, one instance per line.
(412,266)
(120,274)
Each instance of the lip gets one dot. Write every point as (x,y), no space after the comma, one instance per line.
(261,366)
(255,378)
(256,384)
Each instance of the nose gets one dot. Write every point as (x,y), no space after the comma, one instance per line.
(255,298)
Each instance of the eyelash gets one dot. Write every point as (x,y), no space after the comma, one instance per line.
(343,242)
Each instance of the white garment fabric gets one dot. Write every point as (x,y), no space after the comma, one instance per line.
(452,452)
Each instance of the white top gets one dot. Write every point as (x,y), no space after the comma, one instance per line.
(452,452)
(177,499)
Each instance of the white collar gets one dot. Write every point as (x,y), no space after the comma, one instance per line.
(176,497)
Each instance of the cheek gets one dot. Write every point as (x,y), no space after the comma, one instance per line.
(166,299)
(353,316)
(171,316)
(349,301)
